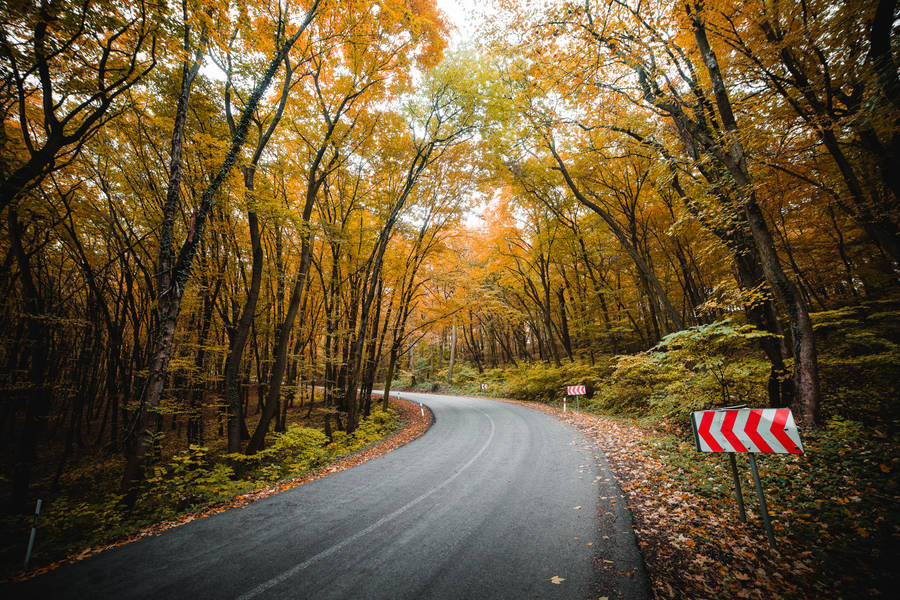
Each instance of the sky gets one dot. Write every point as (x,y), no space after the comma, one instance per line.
(462,14)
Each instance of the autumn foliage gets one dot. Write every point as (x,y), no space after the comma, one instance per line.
(219,219)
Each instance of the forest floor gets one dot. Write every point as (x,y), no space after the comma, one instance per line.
(834,511)
(412,422)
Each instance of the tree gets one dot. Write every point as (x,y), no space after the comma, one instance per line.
(67,64)
(174,278)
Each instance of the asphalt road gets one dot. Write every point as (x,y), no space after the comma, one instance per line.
(495,501)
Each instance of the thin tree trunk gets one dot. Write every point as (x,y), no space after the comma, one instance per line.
(641,264)
(242,331)
(37,395)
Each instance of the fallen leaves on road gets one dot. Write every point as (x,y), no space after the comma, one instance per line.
(557,579)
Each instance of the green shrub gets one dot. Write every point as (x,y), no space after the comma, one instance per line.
(370,429)
(540,382)
(630,386)
(189,478)
(705,366)
(296,450)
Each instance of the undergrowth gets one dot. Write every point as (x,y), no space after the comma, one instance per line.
(89,507)
(836,502)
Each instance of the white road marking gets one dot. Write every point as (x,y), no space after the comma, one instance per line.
(266,585)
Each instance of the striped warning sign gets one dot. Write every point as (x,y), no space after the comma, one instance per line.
(771,430)
(576,390)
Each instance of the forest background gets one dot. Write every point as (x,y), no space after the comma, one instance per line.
(225,224)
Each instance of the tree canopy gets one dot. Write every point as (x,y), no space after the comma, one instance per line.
(213,211)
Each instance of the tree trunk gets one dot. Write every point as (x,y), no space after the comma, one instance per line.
(242,332)
(170,297)
(37,394)
(806,377)
(389,378)
(276,375)
(452,355)
(639,262)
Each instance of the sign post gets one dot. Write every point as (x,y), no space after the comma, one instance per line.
(483,387)
(737,488)
(749,430)
(763,509)
(577,391)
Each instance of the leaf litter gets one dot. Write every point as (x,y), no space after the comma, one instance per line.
(695,547)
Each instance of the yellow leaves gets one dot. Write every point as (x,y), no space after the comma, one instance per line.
(556,579)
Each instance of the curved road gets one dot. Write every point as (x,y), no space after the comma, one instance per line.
(495,501)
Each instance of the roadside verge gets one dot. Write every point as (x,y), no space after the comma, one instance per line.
(414,422)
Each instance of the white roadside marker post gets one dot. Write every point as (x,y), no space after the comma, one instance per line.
(37,511)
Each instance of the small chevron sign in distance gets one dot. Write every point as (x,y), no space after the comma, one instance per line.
(576,390)
(765,430)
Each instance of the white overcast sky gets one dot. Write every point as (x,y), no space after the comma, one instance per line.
(463,14)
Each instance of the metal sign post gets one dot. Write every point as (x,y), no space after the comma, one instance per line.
(749,430)
(737,488)
(763,509)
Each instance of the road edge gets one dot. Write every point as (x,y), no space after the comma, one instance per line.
(416,419)
(633,574)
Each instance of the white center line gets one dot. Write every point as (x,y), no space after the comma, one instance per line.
(282,577)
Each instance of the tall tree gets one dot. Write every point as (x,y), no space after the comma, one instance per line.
(178,275)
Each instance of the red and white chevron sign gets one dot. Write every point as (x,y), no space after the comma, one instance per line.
(576,390)
(771,430)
